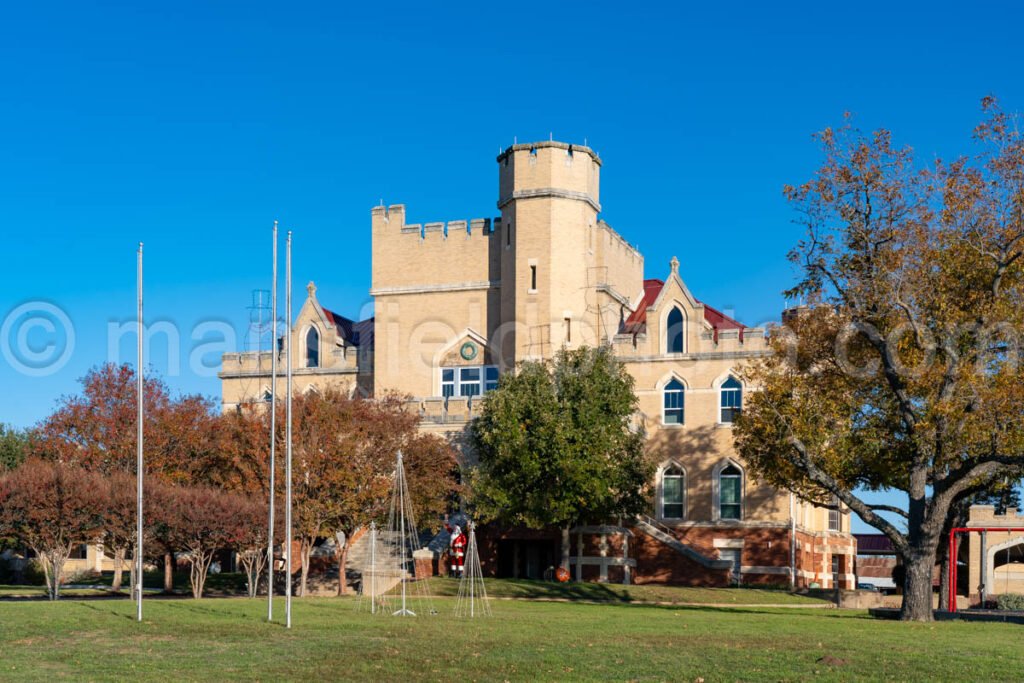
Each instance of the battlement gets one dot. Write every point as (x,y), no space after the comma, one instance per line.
(549,170)
(534,147)
(618,241)
(985,515)
(393,219)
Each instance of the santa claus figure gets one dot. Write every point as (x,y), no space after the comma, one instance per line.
(457,551)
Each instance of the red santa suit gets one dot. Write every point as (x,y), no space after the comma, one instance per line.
(457,551)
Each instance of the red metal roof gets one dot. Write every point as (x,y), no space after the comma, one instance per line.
(637,320)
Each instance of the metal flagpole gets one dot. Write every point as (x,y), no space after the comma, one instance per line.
(138,456)
(273,432)
(401,506)
(288,434)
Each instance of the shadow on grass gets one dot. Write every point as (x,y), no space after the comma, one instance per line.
(92,606)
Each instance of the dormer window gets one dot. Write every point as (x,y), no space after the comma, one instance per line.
(312,348)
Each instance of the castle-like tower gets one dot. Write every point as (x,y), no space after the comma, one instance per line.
(547,273)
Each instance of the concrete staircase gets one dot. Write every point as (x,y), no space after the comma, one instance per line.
(358,561)
(663,534)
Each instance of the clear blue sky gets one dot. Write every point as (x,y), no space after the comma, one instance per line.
(192,126)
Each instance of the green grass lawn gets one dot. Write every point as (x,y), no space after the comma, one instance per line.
(333,639)
(40,592)
(609,592)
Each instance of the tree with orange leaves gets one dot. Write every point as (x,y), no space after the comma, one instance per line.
(344,457)
(904,372)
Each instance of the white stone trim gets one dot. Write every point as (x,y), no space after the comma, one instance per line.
(756,569)
(431,289)
(550,192)
(990,577)
(734,543)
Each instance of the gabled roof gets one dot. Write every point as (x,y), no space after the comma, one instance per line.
(637,320)
(355,333)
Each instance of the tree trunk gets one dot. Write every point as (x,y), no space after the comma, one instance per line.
(566,550)
(168,572)
(115,585)
(342,554)
(944,574)
(304,551)
(917,586)
(133,583)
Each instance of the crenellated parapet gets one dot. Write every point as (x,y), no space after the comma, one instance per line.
(392,219)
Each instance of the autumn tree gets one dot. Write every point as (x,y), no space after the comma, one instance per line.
(558,447)
(344,457)
(251,541)
(904,373)
(51,507)
(97,430)
(202,521)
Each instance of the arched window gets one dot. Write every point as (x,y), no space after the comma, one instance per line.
(730,493)
(730,400)
(673,493)
(674,331)
(312,348)
(674,400)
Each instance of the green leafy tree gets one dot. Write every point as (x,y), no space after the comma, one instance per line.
(557,445)
(906,376)
(14,447)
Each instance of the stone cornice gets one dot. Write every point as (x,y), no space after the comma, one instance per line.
(550,192)
(296,372)
(431,289)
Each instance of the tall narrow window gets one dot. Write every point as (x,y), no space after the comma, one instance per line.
(533,277)
(730,400)
(312,348)
(673,403)
(673,492)
(835,520)
(508,235)
(674,332)
(730,493)
(568,330)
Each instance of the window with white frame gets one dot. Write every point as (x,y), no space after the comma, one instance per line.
(673,492)
(673,402)
(730,493)
(730,400)
(674,332)
(468,380)
(835,519)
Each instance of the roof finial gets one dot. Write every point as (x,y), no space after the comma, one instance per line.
(311,290)
(674,264)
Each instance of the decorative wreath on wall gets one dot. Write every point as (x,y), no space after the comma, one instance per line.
(468,351)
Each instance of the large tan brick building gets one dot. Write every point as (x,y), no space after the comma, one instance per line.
(459,302)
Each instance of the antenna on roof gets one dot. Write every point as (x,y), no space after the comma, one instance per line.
(551,136)
(584,140)
(515,140)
